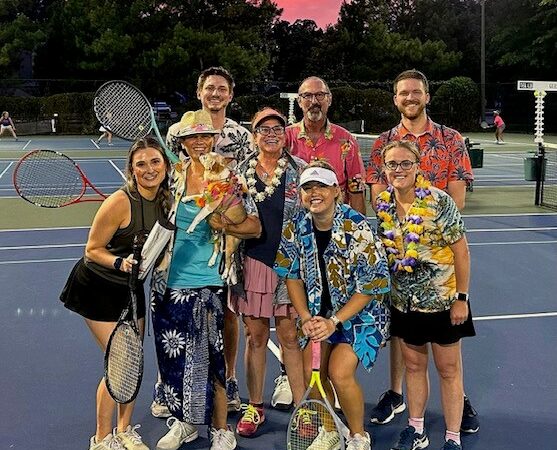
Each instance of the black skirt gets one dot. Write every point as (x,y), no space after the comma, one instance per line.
(418,328)
(97,298)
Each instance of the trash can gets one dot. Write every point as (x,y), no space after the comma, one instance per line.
(477,157)
(530,166)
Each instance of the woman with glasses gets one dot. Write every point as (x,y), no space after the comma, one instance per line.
(272,178)
(424,236)
(337,276)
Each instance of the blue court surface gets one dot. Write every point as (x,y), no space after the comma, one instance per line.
(51,365)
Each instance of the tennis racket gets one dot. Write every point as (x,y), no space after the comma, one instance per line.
(484,125)
(123,359)
(126,112)
(51,180)
(314,425)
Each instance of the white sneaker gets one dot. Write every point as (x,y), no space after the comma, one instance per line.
(222,439)
(179,433)
(325,440)
(282,394)
(159,410)
(359,442)
(108,443)
(130,439)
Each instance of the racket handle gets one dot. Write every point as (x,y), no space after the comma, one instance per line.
(315,355)
(137,246)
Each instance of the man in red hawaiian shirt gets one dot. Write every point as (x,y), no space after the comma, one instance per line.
(446,164)
(315,137)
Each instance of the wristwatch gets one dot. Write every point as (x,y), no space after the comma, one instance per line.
(336,322)
(462,296)
(118,262)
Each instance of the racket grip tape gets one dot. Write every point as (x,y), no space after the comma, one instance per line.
(137,247)
(315,355)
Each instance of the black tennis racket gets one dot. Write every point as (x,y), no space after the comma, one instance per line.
(123,359)
(314,424)
(51,180)
(123,109)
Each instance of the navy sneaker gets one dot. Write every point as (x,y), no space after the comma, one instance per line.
(410,440)
(232,394)
(470,422)
(390,403)
(451,445)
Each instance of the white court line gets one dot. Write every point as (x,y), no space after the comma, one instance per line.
(34,261)
(95,144)
(28,247)
(6,169)
(517,316)
(17,230)
(497,230)
(25,146)
(117,168)
(511,243)
(511,215)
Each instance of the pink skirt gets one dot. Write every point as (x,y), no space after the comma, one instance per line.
(260,284)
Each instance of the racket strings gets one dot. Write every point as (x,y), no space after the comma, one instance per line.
(48,179)
(313,428)
(124,363)
(124,110)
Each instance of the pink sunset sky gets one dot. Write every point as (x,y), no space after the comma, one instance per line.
(323,12)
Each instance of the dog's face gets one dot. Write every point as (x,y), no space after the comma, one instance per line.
(215,166)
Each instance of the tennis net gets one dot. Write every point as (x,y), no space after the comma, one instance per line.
(549,186)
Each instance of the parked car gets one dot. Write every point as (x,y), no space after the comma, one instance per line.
(162,109)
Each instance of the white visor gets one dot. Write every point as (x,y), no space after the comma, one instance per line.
(325,176)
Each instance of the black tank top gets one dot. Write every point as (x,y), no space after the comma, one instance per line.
(121,242)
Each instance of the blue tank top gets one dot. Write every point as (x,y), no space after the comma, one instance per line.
(192,251)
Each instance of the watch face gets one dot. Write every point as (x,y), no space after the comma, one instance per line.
(462,297)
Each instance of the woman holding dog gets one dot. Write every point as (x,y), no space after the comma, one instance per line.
(272,176)
(188,300)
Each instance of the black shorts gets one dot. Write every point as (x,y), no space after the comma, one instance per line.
(97,298)
(417,328)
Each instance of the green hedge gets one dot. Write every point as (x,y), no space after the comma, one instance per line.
(456,104)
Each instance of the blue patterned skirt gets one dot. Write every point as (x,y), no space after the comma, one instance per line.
(188,326)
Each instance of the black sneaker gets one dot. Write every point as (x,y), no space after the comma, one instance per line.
(410,440)
(390,403)
(470,422)
(451,445)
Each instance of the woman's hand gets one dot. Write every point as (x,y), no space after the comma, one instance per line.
(321,328)
(459,312)
(216,223)
(128,263)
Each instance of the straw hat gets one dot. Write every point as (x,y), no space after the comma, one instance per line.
(192,123)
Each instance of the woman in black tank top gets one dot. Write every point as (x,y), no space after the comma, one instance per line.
(97,286)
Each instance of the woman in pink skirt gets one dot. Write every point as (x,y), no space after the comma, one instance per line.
(272,176)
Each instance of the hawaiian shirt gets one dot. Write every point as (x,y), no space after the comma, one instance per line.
(356,263)
(234,141)
(431,287)
(337,146)
(177,190)
(444,155)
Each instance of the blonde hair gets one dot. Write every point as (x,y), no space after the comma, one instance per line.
(322,164)
(407,145)
(163,194)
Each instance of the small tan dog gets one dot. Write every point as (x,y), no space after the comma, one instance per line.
(222,195)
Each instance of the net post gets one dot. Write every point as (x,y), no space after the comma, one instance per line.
(291,96)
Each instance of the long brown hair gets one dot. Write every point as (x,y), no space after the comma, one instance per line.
(163,194)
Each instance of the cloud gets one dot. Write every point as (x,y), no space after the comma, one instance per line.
(323,12)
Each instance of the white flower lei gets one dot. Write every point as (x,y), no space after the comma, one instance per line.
(275,181)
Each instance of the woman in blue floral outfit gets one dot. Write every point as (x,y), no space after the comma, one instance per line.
(337,277)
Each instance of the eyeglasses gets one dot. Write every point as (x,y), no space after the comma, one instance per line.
(266,131)
(319,96)
(404,165)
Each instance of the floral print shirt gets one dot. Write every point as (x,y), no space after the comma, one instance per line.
(444,156)
(234,141)
(356,263)
(431,286)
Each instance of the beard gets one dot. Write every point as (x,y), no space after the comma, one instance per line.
(414,114)
(314,114)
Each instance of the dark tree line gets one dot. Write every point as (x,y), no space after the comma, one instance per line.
(162,46)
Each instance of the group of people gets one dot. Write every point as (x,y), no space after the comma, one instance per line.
(310,258)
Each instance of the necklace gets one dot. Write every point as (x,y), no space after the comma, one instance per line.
(411,230)
(275,181)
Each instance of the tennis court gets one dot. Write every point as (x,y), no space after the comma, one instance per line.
(52,366)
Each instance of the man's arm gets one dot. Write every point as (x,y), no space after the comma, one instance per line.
(457,191)
(357,201)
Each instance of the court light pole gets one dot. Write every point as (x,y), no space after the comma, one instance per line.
(482,60)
